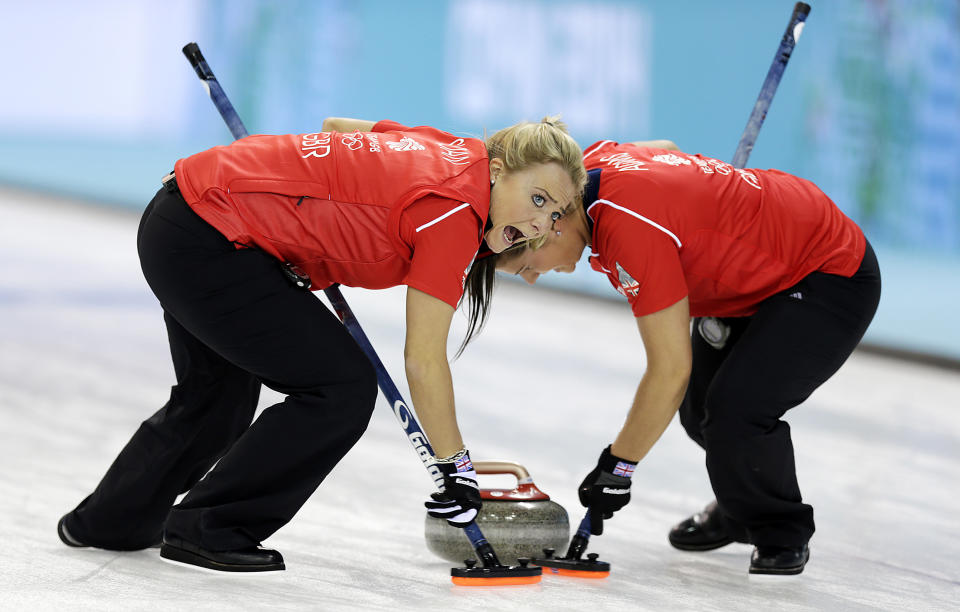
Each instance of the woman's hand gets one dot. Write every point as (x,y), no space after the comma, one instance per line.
(657,144)
(344,125)
(460,501)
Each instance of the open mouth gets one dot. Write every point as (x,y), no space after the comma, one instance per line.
(512,235)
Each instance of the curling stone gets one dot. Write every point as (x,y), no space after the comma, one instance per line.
(517,522)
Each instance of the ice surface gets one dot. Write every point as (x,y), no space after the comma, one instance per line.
(83,359)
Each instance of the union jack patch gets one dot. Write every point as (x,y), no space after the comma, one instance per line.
(624,469)
(628,286)
(463,464)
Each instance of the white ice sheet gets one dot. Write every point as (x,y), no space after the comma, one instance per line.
(83,359)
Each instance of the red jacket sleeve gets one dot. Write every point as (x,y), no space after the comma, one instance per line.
(445,236)
(643,264)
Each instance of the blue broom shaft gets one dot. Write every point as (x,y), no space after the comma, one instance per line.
(770,84)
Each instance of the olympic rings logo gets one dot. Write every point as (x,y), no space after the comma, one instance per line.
(352,141)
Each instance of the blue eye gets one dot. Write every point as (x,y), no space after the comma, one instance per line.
(555,216)
(539,200)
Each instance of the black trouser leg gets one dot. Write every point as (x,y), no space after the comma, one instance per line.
(706,361)
(238,303)
(212,403)
(786,350)
(271,471)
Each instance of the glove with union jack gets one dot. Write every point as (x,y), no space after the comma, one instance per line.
(606,489)
(459,502)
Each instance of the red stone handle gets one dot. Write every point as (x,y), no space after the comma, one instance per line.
(525,490)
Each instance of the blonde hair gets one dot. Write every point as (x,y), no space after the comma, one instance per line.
(520,146)
(528,143)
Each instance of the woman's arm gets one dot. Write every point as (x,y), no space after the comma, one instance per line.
(657,144)
(666,338)
(428,371)
(344,125)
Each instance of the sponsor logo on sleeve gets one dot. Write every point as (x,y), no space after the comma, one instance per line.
(709,165)
(703,165)
(374,141)
(406,144)
(671,159)
(720,167)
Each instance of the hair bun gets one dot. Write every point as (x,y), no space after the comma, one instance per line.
(554,121)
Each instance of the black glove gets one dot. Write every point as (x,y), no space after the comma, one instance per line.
(606,489)
(459,502)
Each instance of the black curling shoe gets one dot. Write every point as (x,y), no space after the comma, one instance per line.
(781,560)
(66,537)
(251,559)
(70,539)
(700,532)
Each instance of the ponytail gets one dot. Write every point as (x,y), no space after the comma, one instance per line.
(519,146)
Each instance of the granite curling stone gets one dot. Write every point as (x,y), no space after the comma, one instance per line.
(517,522)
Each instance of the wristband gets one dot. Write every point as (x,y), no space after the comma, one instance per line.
(458,463)
(452,458)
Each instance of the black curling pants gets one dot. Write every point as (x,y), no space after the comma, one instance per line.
(234,321)
(772,361)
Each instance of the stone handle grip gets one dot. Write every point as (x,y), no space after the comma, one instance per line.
(503,467)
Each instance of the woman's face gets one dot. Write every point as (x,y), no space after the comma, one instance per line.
(560,253)
(525,203)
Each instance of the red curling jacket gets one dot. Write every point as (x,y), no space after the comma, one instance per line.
(373,209)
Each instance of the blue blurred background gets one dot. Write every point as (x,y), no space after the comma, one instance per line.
(98,101)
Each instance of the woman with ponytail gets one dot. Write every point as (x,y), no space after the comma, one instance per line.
(228,245)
